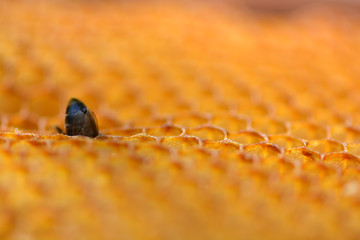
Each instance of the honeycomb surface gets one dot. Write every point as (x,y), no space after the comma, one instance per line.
(216,122)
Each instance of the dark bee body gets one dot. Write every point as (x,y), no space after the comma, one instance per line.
(79,120)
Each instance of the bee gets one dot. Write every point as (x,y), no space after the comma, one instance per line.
(79,120)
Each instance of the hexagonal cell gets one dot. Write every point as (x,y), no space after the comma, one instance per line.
(149,122)
(342,160)
(194,157)
(325,146)
(325,116)
(139,138)
(213,105)
(221,146)
(253,110)
(190,120)
(285,166)
(18,136)
(63,144)
(286,141)
(106,150)
(165,131)
(320,169)
(207,133)
(302,155)
(246,137)
(181,143)
(345,134)
(353,149)
(230,123)
(264,150)
(58,137)
(39,143)
(124,132)
(109,147)
(290,113)
(23,147)
(269,126)
(308,131)
(158,154)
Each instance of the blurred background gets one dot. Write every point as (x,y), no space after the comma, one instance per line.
(283,5)
(219,119)
(60,49)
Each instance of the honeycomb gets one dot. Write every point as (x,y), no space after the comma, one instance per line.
(216,122)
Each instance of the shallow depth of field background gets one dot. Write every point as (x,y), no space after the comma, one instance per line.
(218,119)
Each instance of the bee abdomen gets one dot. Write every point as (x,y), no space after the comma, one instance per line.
(79,120)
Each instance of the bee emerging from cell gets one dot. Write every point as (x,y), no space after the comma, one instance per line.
(79,120)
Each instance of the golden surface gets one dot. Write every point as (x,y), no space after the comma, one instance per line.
(216,122)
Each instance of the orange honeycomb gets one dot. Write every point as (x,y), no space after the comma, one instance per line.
(216,122)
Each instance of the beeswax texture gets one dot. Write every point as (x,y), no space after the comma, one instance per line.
(216,122)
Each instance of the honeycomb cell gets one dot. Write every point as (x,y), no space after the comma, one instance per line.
(308,131)
(345,134)
(125,132)
(253,110)
(246,137)
(154,153)
(290,113)
(325,146)
(180,142)
(17,136)
(285,166)
(149,122)
(193,158)
(139,138)
(172,107)
(58,137)
(191,120)
(166,130)
(213,106)
(353,149)
(321,170)
(342,160)
(269,126)
(231,123)
(23,147)
(302,155)
(221,146)
(329,117)
(62,147)
(264,150)
(207,133)
(107,149)
(286,141)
